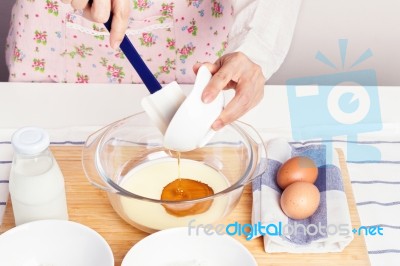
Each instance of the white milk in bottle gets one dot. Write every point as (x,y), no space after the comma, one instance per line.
(36,182)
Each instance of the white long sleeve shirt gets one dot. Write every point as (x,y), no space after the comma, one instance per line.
(263,30)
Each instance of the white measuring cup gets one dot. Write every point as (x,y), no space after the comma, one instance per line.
(184,121)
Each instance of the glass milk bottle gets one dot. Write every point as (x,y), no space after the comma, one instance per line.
(36,183)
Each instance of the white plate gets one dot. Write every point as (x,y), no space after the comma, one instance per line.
(54,243)
(175,247)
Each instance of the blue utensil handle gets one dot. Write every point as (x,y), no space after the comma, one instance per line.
(137,62)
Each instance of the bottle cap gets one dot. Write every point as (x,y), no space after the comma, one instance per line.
(30,140)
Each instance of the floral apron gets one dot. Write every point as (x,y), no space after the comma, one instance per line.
(48,41)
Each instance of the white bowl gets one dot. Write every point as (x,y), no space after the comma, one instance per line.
(54,242)
(175,247)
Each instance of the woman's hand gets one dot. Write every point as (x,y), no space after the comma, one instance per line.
(234,71)
(100,10)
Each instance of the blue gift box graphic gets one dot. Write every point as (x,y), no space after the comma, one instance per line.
(321,108)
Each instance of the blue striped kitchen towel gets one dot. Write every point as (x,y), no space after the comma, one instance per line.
(376,187)
(327,230)
(5,166)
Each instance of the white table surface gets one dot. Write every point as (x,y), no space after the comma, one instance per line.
(65,109)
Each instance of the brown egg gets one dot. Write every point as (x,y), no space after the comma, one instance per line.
(300,200)
(299,168)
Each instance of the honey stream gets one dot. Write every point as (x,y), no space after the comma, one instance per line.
(184,189)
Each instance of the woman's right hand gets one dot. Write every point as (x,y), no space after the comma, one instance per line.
(100,10)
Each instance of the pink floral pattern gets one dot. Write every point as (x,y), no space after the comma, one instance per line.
(148,39)
(98,29)
(168,66)
(193,28)
(217,9)
(167,9)
(142,5)
(70,18)
(170,43)
(52,7)
(40,37)
(115,73)
(81,51)
(82,78)
(18,55)
(39,64)
(195,3)
(221,51)
(119,54)
(186,51)
(63,46)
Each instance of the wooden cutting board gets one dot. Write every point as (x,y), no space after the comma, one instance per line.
(90,206)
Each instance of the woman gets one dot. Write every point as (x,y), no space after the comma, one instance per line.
(242,42)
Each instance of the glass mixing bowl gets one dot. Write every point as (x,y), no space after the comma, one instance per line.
(127,160)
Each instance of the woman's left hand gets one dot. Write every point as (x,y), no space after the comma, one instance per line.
(234,71)
(99,11)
